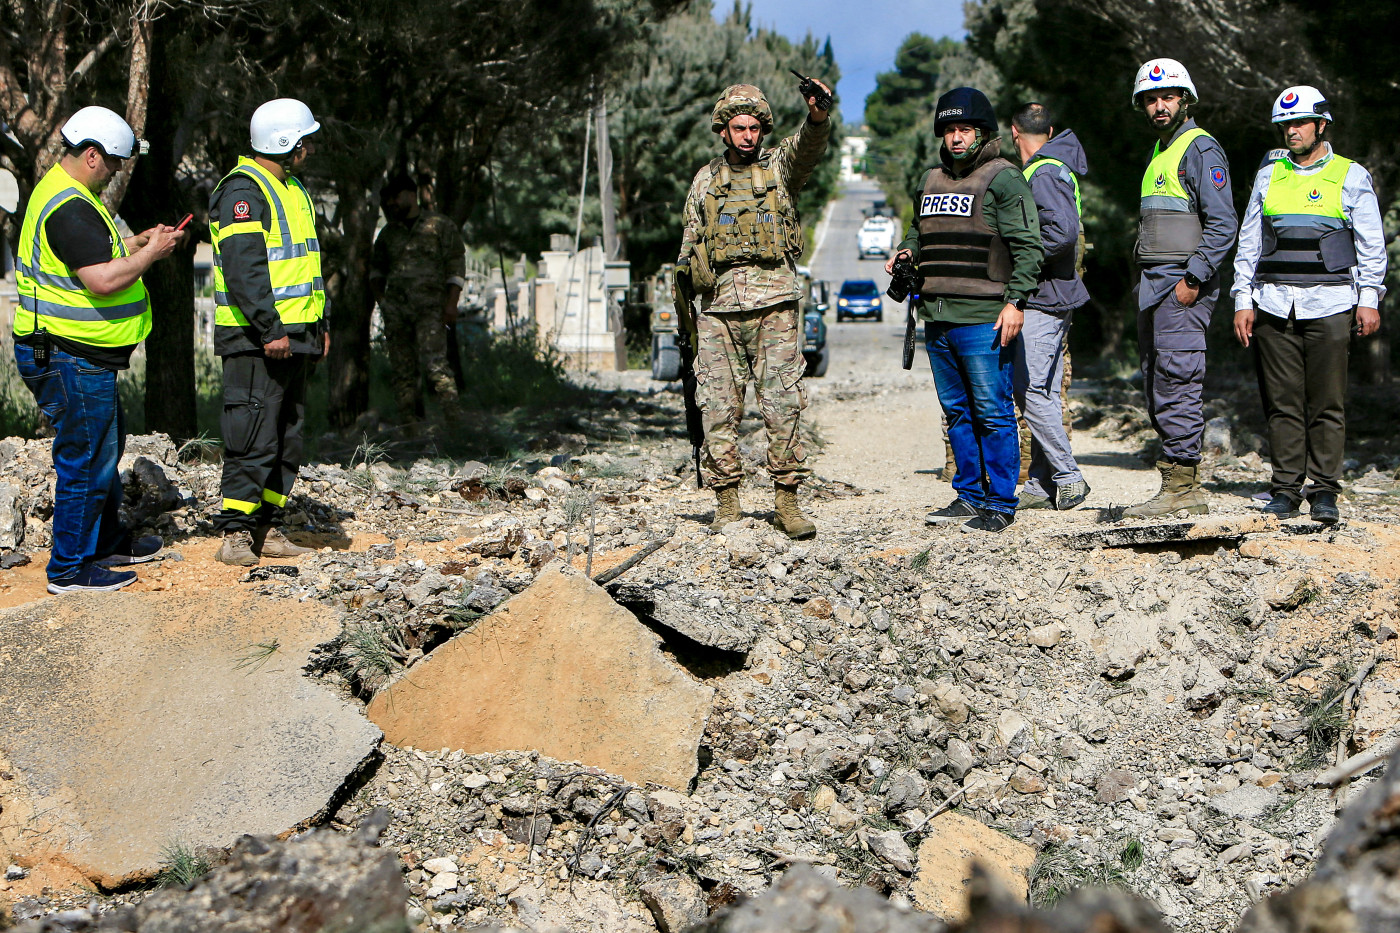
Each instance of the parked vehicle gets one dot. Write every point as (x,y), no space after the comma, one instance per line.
(876,237)
(813,306)
(665,355)
(859,298)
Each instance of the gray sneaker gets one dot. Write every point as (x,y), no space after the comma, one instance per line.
(237,549)
(1071,495)
(1029,500)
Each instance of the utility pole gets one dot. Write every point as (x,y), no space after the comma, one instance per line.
(605,184)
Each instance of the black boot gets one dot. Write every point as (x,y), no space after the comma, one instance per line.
(1323,508)
(1282,506)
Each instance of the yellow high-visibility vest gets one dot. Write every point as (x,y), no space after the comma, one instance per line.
(293,252)
(51,295)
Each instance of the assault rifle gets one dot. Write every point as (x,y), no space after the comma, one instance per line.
(810,88)
(687,341)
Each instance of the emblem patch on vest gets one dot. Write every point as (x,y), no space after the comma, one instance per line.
(242,210)
(1314,195)
(1217,177)
(946,205)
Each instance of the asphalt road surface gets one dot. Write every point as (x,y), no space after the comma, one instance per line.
(859,347)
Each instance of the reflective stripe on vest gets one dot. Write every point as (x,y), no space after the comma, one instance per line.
(293,251)
(1035,166)
(1298,209)
(52,297)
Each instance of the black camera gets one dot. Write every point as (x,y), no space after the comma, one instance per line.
(904,279)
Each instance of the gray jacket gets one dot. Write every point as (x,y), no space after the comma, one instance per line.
(1061,289)
(1205,174)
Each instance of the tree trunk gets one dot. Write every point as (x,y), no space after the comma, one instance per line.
(352,306)
(155,198)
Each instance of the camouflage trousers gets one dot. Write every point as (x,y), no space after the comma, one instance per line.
(765,346)
(417,344)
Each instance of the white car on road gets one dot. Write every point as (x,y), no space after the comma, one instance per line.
(876,237)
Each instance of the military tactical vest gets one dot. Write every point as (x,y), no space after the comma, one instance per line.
(748,215)
(1306,239)
(960,255)
(51,295)
(1169,228)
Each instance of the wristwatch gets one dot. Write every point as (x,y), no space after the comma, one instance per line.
(1020,304)
(1192,281)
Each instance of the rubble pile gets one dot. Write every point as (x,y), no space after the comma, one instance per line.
(881,705)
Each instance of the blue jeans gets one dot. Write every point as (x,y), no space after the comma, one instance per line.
(81,400)
(973,374)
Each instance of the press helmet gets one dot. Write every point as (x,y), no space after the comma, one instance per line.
(741,98)
(278,125)
(1162,73)
(1299,103)
(102,128)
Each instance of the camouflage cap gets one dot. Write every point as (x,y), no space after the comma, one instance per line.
(741,98)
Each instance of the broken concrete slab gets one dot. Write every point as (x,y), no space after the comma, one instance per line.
(737,633)
(946,858)
(323,882)
(560,669)
(1213,528)
(135,722)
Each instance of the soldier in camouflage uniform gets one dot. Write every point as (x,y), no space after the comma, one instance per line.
(742,240)
(417,272)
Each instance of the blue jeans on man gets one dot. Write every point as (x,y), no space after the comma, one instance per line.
(82,402)
(973,373)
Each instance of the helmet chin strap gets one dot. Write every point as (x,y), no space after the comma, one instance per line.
(970,151)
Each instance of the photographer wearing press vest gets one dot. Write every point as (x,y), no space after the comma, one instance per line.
(1312,258)
(269,323)
(82,311)
(976,242)
(1186,226)
(1052,164)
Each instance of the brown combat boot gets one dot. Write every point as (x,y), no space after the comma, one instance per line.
(950,463)
(788,517)
(237,549)
(1181,492)
(727,508)
(268,541)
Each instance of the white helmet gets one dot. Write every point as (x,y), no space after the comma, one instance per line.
(1160,73)
(102,128)
(1300,103)
(278,125)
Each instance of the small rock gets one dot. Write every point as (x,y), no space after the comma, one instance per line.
(841,817)
(15,873)
(1184,866)
(1046,636)
(1026,781)
(891,847)
(1113,785)
(436,866)
(960,758)
(952,703)
(676,902)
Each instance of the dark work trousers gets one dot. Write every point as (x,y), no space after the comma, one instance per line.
(1172,348)
(1302,369)
(264,403)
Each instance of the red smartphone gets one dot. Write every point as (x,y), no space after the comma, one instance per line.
(188,218)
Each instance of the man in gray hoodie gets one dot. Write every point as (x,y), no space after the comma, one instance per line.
(1052,164)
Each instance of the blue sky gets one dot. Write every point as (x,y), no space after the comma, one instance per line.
(864,33)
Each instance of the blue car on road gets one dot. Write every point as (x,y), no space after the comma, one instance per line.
(859,298)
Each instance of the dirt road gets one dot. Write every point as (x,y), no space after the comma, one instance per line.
(881,424)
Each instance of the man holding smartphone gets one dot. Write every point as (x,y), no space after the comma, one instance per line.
(82,311)
(269,323)
(1312,257)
